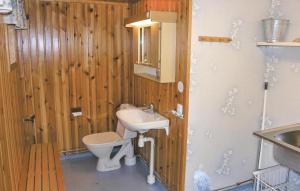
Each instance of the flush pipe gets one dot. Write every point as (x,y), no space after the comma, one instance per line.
(141,144)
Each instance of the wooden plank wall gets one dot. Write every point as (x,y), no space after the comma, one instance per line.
(74,54)
(170,151)
(12,129)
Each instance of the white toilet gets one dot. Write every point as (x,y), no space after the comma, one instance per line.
(102,144)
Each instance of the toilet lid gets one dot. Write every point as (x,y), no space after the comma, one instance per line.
(101,138)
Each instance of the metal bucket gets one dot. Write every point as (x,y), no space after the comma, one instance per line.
(275,30)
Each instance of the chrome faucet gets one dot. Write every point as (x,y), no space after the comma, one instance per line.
(148,108)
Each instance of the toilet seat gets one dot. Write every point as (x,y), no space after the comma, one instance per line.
(103,139)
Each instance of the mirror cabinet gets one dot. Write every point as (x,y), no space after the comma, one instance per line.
(154,45)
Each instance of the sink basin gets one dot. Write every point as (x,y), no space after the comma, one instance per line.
(292,138)
(142,121)
(286,141)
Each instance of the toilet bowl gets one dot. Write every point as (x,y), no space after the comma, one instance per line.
(102,144)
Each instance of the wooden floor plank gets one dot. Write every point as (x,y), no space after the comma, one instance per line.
(23,180)
(52,173)
(31,171)
(38,171)
(45,168)
(59,174)
(43,171)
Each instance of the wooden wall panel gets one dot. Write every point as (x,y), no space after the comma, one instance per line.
(74,54)
(12,129)
(170,150)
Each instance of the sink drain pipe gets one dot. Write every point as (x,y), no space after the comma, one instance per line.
(141,144)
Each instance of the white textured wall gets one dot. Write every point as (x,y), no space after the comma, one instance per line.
(226,87)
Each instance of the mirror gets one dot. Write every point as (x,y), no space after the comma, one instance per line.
(148,46)
(145,45)
(154,45)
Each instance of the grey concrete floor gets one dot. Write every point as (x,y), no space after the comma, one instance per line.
(80,174)
(248,187)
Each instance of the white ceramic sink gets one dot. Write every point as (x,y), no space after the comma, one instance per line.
(142,121)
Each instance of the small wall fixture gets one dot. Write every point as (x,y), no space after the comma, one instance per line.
(150,18)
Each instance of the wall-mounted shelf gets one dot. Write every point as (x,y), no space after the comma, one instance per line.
(279,44)
(148,76)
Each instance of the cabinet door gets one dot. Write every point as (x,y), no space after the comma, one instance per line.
(155,45)
(146,45)
(135,45)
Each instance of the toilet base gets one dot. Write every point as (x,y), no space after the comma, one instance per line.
(105,165)
(130,161)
